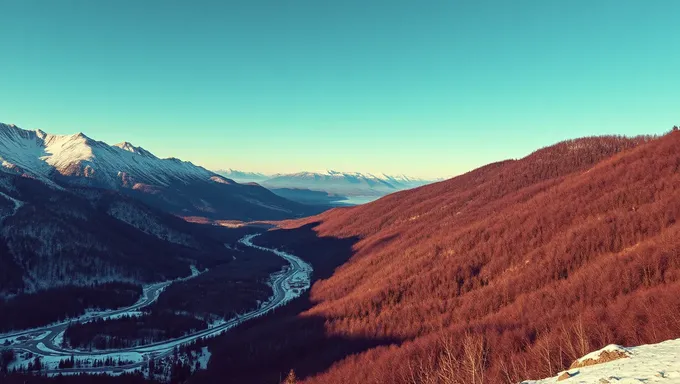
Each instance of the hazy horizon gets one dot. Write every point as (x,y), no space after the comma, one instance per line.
(426,90)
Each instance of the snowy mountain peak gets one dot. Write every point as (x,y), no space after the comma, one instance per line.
(344,183)
(330,173)
(86,161)
(126,146)
(76,163)
(40,133)
(242,177)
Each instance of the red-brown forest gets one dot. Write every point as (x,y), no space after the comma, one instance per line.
(510,271)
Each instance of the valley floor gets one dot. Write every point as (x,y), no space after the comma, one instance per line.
(286,284)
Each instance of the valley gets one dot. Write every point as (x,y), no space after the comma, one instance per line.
(468,280)
(41,343)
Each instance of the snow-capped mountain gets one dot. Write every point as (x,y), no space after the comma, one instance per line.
(176,186)
(44,156)
(241,176)
(345,183)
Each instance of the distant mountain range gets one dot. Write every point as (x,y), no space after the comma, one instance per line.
(333,183)
(243,177)
(178,187)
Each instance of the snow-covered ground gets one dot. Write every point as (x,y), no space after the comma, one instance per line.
(652,363)
(216,322)
(204,358)
(11,340)
(124,314)
(59,339)
(52,362)
(293,284)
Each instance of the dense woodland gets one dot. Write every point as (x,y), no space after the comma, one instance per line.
(45,307)
(505,273)
(86,236)
(224,290)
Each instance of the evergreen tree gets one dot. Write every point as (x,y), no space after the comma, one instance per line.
(291,378)
(152,368)
(37,364)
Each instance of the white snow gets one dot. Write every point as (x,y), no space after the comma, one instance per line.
(5,341)
(10,339)
(59,339)
(38,154)
(51,363)
(42,335)
(293,284)
(217,322)
(124,314)
(612,348)
(204,357)
(345,183)
(652,363)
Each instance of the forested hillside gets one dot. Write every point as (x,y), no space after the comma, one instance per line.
(508,272)
(58,249)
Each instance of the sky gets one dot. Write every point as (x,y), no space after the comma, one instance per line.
(425,88)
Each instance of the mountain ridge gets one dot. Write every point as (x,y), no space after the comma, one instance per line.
(179,187)
(345,183)
(78,154)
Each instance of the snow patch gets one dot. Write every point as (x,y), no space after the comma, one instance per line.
(204,358)
(652,363)
(608,353)
(17,204)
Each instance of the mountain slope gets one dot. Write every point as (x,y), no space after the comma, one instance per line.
(51,238)
(173,185)
(44,156)
(510,271)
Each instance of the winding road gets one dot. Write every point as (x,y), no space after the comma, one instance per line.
(286,284)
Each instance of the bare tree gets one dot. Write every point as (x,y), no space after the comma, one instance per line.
(474,358)
(575,340)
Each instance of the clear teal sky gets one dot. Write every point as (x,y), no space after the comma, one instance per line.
(427,88)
